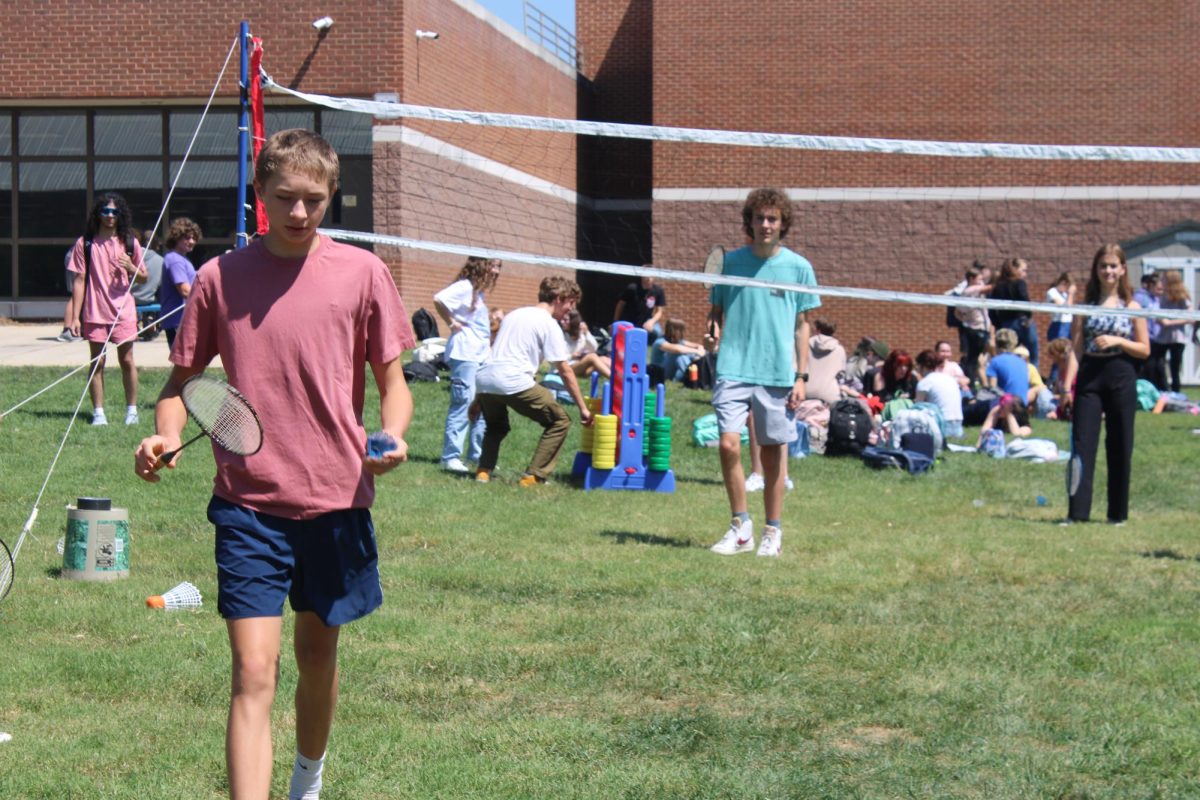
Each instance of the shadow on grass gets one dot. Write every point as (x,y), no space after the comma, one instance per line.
(1168,554)
(55,414)
(54,572)
(622,537)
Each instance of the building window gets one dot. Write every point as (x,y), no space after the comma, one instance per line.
(54,163)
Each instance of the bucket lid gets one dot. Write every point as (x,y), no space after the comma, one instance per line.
(93,504)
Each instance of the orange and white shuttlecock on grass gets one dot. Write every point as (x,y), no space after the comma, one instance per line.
(185,595)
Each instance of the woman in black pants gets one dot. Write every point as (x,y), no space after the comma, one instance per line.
(1102,368)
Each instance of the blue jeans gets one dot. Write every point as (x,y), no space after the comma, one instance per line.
(462,393)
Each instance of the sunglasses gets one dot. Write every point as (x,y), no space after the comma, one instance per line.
(108,212)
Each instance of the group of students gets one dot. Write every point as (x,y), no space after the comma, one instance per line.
(1168,337)
(109,272)
(297,319)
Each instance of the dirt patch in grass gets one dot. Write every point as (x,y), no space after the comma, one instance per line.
(870,736)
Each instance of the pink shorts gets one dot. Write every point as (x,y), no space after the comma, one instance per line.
(126,331)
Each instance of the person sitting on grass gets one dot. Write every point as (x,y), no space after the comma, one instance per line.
(939,388)
(296,318)
(1007,372)
(528,336)
(674,353)
(1039,398)
(1009,416)
(582,345)
(893,379)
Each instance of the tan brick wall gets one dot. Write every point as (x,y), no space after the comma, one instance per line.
(911,247)
(66,49)
(1071,72)
(422,196)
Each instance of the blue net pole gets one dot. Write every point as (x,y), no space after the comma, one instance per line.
(243,131)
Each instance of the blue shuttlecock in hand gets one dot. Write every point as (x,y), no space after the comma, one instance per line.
(379,443)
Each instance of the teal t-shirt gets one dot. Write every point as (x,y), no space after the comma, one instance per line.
(758,341)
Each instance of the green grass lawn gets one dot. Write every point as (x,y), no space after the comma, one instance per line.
(936,636)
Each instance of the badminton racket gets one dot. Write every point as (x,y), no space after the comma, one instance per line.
(222,413)
(7,566)
(715,263)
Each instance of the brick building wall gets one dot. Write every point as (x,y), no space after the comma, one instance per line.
(157,50)
(156,56)
(1074,72)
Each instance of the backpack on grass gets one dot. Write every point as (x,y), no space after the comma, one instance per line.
(420,371)
(424,325)
(895,458)
(850,427)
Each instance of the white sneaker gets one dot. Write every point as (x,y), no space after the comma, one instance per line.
(98,417)
(771,541)
(65,336)
(738,539)
(131,417)
(455,465)
(755,483)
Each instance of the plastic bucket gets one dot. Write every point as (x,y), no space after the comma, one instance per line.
(96,547)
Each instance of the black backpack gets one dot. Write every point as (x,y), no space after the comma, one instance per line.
(424,325)
(420,371)
(849,428)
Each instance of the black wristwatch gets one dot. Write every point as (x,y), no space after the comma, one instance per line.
(802,376)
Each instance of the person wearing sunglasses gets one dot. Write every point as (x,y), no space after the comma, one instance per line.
(105,261)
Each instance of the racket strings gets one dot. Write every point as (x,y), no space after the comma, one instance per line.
(224,415)
(236,428)
(6,569)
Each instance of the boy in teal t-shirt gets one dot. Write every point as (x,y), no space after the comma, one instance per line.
(762,363)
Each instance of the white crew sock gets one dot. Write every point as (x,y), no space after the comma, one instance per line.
(306,778)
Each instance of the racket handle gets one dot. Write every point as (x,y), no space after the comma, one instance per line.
(166,457)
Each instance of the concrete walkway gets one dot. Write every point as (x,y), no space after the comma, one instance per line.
(33,345)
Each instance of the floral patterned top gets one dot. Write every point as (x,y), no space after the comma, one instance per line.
(1106,325)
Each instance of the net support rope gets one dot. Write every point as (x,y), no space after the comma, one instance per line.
(687,276)
(95,363)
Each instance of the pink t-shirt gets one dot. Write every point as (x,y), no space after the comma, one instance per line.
(108,285)
(294,336)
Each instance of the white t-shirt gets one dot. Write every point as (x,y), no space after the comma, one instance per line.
(1053,295)
(527,337)
(943,391)
(472,342)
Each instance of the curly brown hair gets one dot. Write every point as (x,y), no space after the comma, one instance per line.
(181,228)
(480,272)
(557,287)
(767,198)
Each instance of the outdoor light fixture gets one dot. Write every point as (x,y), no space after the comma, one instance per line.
(427,34)
(323,24)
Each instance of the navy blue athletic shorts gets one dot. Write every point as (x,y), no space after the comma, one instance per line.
(328,565)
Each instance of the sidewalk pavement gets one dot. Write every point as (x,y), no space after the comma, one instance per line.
(29,344)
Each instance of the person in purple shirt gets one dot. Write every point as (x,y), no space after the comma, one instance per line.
(178,274)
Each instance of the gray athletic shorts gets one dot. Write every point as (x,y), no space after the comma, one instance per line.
(733,401)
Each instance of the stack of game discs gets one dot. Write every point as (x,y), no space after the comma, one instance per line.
(658,434)
(604,442)
(588,435)
(651,405)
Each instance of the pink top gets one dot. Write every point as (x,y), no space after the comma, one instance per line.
(108,285)
(294,336)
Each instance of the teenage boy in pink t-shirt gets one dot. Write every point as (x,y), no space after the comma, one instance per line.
(295,318)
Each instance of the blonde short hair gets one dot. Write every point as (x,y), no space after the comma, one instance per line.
(301,151)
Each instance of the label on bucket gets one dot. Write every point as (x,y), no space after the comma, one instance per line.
(109,538)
